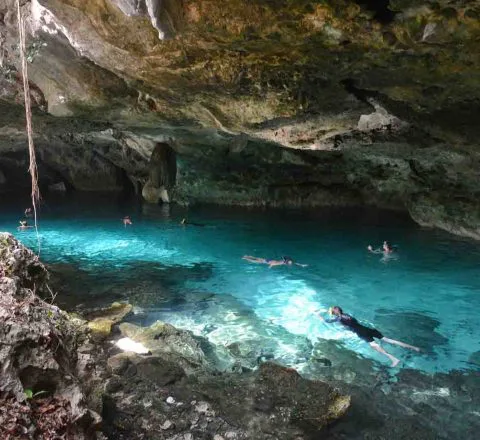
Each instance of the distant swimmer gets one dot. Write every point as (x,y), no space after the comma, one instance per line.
(23,225)
(28,213)
(185,222)
(285,261)
(386,249)
(126,221)
(365,333)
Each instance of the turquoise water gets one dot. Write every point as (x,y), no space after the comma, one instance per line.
(194,277)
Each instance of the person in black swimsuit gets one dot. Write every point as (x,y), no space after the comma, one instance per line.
(366,333)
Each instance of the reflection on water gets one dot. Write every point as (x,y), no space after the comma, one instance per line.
(194,276)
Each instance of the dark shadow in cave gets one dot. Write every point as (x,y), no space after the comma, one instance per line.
(128,188)
(163,166)
(380,8)
(360,94)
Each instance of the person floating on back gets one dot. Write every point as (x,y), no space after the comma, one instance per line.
(365,333)
(386,249)
(285,261)
(23,225)
(126,221)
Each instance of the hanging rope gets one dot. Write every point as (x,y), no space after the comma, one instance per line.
(28,113)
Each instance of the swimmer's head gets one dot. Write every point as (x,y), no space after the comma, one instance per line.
(336,311)
(287,260)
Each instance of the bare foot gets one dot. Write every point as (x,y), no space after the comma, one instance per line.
(395,362)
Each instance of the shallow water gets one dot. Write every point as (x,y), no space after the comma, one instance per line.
(194,277)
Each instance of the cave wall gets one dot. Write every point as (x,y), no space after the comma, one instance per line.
(299,103)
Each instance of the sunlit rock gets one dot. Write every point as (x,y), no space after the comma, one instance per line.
(127,344)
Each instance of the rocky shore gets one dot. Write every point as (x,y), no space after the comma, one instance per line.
(65,376)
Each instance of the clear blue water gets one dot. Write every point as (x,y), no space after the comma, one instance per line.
(194,276)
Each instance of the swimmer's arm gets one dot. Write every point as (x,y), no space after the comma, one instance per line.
(328,320)
(253,259)
(301,265)
(374,251)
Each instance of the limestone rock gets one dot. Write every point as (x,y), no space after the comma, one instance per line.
(116,312)
(101,325)
(37,343)
(169,343)
(162,174)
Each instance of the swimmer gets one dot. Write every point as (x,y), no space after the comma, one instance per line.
(23,225)
(126,221)
(386,249)
(28,213)
(285,261)
(365,333)
(185,222)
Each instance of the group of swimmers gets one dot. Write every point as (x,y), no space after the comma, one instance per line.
(367,334)
(386,249)
(336,313)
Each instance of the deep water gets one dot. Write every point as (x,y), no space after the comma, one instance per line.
(193,276)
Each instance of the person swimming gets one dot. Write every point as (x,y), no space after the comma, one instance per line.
(386,249)
(23,225)
(185,222)
(367,334)
(285,261)
(127,221)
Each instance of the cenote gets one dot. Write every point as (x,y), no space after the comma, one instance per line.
(276,129)
(193,276)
